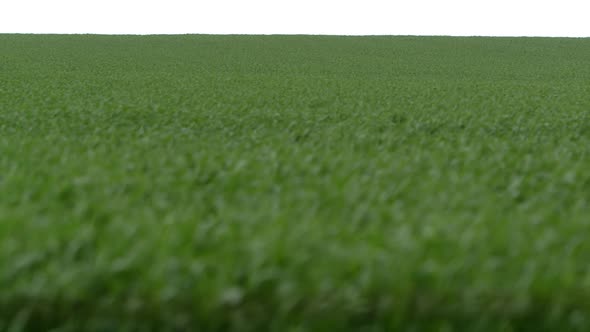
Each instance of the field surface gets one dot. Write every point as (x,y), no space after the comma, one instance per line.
(294,183)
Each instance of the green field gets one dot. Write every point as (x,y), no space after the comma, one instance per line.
(294,183)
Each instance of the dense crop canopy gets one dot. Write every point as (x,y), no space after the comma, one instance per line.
(294,183)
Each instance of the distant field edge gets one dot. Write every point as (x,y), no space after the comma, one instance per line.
(283,35)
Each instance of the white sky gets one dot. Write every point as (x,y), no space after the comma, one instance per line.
(362,17)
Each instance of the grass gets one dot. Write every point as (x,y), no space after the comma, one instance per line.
(294,183)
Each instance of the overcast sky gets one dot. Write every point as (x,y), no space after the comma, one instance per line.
(339,17)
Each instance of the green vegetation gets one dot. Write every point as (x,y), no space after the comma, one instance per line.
(294,183)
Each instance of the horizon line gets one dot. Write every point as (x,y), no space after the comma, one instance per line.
(288,34)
